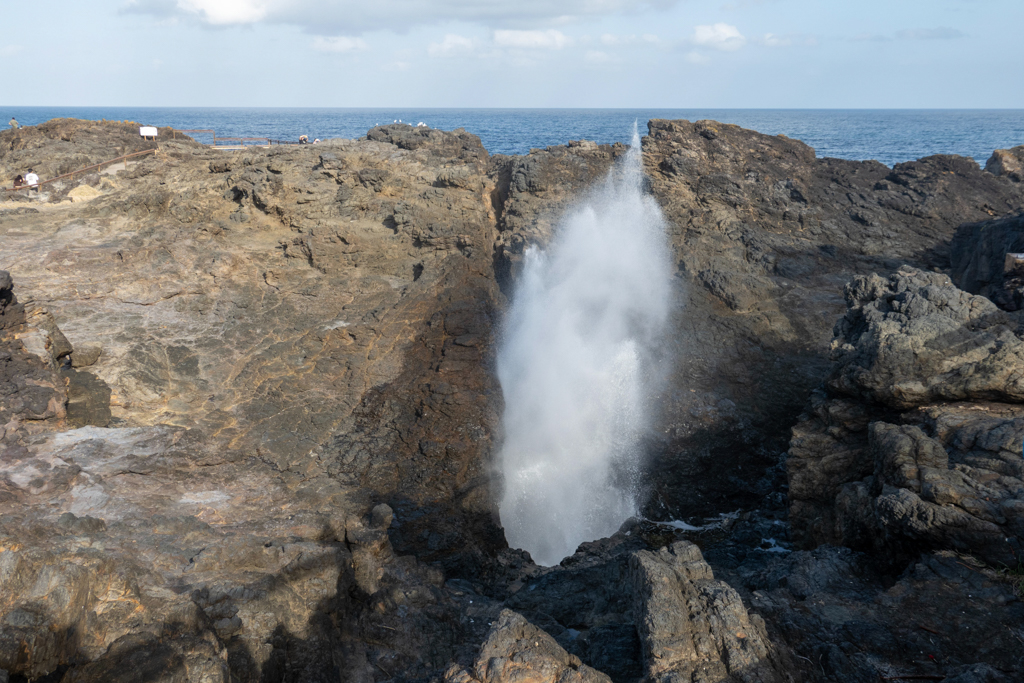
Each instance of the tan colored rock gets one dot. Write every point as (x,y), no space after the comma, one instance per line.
(516,651)
(1008,163)
(692,627)
(85,355)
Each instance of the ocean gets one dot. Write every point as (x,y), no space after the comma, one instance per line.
(886,135)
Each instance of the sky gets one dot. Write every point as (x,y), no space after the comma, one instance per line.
(514,53)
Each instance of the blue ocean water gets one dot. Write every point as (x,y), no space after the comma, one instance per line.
(887,135)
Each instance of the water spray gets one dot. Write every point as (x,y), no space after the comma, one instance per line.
(577,367)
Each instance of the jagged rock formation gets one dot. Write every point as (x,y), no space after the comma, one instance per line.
(516,650)
(843,619)
(694,628)
(915,443)
(766,236)
(278,409)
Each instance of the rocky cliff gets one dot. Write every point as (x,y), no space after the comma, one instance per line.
(248,411)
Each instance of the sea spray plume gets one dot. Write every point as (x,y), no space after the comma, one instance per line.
(577,371)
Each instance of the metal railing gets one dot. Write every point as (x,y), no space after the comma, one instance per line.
(79,171)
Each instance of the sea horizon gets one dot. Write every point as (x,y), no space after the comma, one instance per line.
(888,135)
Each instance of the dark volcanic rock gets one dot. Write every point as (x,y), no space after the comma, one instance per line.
(843,620)
(32,395)
(890,457)
(457,144)
(278,468)
(986,259)
(766,236)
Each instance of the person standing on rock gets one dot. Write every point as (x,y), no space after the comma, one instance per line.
(13,123)
(32,180)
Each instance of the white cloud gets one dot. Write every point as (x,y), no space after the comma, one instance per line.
(532,40)
(10,50)
(632,39)
(798,39)
(598,57)
(452,44)
(338,44)
(222,12)
(941,33)
(352,17)
(719,37)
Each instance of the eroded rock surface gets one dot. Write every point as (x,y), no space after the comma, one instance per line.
(915,442)
(279,331)
(1007,162)
(842,618)
(276,467)
(33,397)
(695,628)
(516,650)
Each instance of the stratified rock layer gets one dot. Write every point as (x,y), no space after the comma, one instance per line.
(288,338)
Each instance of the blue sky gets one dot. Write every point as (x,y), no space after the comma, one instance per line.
(514,53)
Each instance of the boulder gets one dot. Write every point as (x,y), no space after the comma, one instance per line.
(86,355)
(516,651)
(1008,163)
(693,627)
(915,338)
